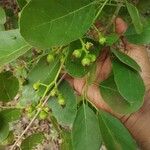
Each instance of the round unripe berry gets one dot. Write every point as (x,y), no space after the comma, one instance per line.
(43,115)
(36,86)
(61,101)
(77,53)
(86,61)
(92,57)
(50,58)
(102,40)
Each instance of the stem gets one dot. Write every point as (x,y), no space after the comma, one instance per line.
(82,43)
(100,10)
(83,47)
(42,105)
(97,30)
(26,129)
(114,15)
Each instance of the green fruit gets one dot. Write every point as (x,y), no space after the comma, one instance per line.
(36,86)
(92,57)
(61,100)
(77,53)
(50,58)
(43,115)
(102,40)
(86,61)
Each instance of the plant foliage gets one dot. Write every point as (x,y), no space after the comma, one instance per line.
(59,40)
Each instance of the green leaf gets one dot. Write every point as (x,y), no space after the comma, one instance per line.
(55,23)
(111,39)
(73,65)
(112,97)
(32,141)
(4,129)
(2,16)
(12,46)
(65,115)
(129,83)
(135,17)
(142,38)
(114,134)
(42,72)
(126,59)
(28,96)
(2,28)
(2,19)
(9,86)
(9,140)
(11,114)
(21,3)
(85,132)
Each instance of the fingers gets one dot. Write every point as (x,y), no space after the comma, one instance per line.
(120,26)
(93,94)
(95,98)
(136,52)
(140,55)
(138,123)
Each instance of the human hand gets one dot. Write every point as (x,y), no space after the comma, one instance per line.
(138,122)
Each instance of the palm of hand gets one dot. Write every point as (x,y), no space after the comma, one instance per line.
(132,122)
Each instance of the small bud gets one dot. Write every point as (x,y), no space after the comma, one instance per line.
(77,53)
(88,45)
(102,40)
(86,61)
(50,58)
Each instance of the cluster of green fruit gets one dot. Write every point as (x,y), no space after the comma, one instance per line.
(61,100)
(32,109)
(88,58)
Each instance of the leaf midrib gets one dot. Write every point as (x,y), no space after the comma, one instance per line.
(109,131)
